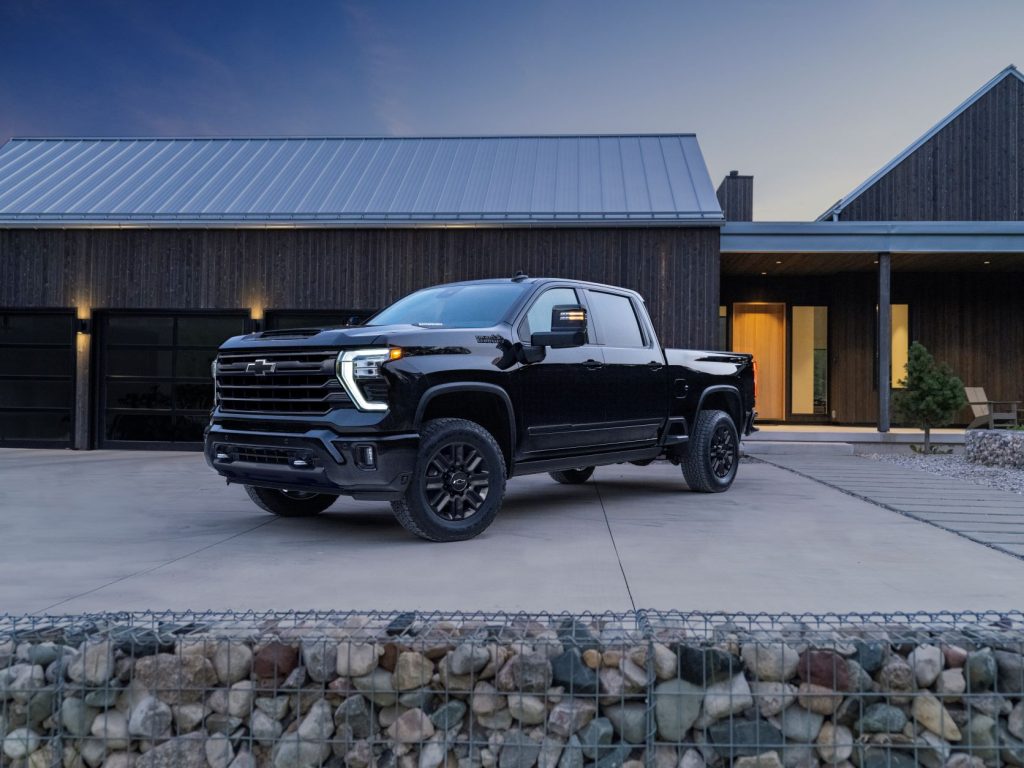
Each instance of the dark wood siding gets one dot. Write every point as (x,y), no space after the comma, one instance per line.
(736,196)
(675,269)
(967,319)
(971,170)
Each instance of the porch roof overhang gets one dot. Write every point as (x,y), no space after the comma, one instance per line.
(824,237)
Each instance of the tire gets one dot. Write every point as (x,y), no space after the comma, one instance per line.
(713,453)
(290,503)
(457,485)
(572,476)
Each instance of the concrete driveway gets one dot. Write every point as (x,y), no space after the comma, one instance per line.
(119,530)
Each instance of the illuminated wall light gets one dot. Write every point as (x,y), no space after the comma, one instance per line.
(988,262)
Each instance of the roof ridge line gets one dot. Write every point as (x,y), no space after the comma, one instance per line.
(342,137)
(838,207)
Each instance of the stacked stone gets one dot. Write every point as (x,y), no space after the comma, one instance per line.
(557,693)
(995,447)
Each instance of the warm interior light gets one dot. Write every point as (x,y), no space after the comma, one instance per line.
(256,313)
(988,262)
(395,353)
(778,262)
(764,273)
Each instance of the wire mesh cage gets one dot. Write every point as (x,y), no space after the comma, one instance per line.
(518,690)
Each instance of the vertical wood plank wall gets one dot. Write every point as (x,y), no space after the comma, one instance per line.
(971,170)
(676,269)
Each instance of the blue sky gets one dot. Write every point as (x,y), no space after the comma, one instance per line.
(810,97)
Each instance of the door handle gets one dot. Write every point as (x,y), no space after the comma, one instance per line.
(593,365)
(654,365)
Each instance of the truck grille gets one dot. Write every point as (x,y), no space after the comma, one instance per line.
(282,382)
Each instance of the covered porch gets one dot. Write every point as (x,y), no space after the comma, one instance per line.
(829,310)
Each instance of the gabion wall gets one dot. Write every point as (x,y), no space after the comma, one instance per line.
(995,447)
(667,690)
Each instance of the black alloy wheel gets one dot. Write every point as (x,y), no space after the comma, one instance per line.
(457,485)
(457,482)
(712,454)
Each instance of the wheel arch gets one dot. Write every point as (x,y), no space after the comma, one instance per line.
(723,397)
(450,400)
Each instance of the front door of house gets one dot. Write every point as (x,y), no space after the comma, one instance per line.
(760,329)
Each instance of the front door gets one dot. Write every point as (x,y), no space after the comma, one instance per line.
(759,328)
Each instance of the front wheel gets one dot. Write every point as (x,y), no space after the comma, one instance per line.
(457,484)
(290,503)
(712,454)
(572,476)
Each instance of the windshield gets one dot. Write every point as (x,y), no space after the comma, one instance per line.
(453,306)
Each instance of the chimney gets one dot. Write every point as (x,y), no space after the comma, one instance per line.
(736,196)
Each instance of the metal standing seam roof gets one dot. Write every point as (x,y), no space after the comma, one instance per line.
(356,181)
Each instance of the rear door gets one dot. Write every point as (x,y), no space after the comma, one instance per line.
(560,406)
(633,382)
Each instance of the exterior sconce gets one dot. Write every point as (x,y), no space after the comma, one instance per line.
(83,325)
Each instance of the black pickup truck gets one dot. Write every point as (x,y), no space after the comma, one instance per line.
(435,401)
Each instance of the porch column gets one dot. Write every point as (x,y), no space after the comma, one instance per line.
(884,338)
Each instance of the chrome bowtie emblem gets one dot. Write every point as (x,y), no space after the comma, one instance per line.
(260,367)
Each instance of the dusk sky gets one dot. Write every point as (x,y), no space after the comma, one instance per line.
(809,97)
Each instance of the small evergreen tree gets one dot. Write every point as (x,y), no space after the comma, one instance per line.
(931,394)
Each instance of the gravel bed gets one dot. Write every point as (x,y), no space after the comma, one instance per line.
(958,467)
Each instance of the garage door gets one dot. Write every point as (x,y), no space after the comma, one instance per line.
(155,385)
(37,385)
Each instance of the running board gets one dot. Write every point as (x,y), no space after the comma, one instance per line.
(585,460)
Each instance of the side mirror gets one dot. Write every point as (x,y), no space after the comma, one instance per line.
(568,328)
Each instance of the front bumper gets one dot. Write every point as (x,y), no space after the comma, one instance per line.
(317,459)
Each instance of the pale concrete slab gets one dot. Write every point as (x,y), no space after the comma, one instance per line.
(120,530)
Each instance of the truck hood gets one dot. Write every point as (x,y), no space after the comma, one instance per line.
(363,336)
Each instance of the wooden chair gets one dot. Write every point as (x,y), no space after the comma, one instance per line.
(991,414)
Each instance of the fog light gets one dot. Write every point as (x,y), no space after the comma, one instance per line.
(221,456)
(366,457)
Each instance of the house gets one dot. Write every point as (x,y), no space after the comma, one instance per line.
(929,248)
(125,262)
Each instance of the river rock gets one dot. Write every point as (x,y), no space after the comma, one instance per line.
(320,657)
(772,698)
(94,663)
(486,699)
(706,665)
(980,670)
(677,706)
(798,724)
(412,727)
(551,752)
(20,743)
(870,654)
(275,661)
(1015,722)
(527,709)
(467,659)
(181,752)
(834,743)
(76,717)
(763,760)
(232,661)
(111,727)
(818,699)
(666,663)
(188,717)
(929,712)
(951,682)
(150,718)
(449,715)
(219,752)
(569,671)
(265,729)
(525,673)
(896,677)
(175,679)
(22,681)
(595,735)
(518,751)
(927,661)
(377,687)
(771,662)
(1010,665)
(882,718)
(743,738)
(413,670)
(727,697)
(692,759)
(568,716)
(629,721)
(825,668)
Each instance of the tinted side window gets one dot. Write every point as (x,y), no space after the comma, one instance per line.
(538,319)
(616,319)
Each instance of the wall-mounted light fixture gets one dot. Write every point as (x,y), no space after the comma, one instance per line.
(83,325)
(256,318)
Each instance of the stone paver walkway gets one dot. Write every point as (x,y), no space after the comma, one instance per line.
(985,515)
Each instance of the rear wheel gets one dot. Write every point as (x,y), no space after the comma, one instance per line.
(572,476)
(457,485)
(290,503)
(712,453)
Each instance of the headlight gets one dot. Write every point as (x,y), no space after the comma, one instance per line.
(363,366)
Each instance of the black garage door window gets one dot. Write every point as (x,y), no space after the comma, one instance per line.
(37,378)
(281,319)
(156,384)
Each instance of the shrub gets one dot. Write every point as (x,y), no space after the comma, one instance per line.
(931,394)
